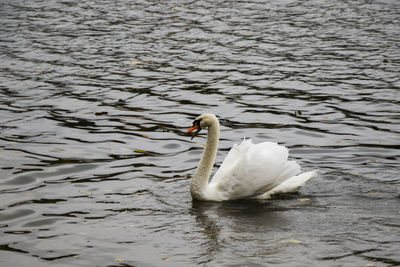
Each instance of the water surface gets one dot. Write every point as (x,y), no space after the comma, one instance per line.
(95,97)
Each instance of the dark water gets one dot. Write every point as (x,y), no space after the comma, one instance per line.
(95,97)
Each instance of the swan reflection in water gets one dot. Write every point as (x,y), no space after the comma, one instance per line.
(236,227)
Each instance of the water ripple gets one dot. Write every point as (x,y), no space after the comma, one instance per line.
(95,98)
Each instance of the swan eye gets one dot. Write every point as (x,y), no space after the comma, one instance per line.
(197,123)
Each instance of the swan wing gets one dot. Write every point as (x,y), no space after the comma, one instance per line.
(250,170)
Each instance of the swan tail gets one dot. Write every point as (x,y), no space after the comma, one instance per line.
(292,184)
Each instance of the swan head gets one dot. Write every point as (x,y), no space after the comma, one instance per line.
(201,122)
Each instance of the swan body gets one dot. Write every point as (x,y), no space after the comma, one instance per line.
(248,171)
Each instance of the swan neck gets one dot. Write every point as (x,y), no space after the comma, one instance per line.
(200,179)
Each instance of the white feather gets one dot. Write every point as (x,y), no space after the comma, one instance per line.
(251,170)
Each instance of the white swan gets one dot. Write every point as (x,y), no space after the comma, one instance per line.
(248,171)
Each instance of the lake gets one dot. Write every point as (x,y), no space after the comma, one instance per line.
(95,98)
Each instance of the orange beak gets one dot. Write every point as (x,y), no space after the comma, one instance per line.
(194,127)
